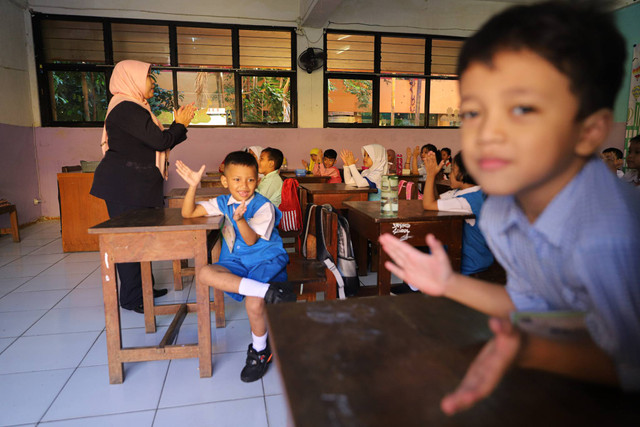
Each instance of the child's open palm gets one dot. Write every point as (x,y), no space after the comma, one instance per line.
(427,272)
(431,164)
(192,178)
(238,214)
(347,157)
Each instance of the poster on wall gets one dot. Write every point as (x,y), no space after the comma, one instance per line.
(633,112)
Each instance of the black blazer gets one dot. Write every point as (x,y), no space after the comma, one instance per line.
(127,173)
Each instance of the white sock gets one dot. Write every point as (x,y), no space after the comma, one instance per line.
(259,343)
(412,288)
(252,288)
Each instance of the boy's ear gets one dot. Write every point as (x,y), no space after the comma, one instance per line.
(594,131)
(224,181)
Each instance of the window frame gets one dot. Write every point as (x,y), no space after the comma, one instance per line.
(376,77)
(43,68)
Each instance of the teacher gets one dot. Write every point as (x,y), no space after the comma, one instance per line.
(136,149)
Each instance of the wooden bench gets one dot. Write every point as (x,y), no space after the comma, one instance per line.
(13,214)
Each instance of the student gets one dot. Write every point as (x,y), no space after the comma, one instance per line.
(633,161)
(326,167)
(271,185)
(612,157)
(252,253)
(314,158)
(466,197)
(537,86)
(374,158)
(254,150)
(391,160)
(445,154)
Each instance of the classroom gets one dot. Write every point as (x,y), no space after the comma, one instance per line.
(294,75)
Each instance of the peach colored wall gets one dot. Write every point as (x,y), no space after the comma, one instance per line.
(57,147)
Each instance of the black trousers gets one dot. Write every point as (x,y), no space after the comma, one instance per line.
(129,272)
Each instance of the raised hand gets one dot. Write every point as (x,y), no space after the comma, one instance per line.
(408,153)
(238,214)
(347,157)
(431,165)
(192,178)
(305,164)
(416,152)
(428,272)
(319,158)
(184,114)
(487,369)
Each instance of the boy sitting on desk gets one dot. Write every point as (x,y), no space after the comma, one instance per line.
(270,185)
(252,252)
(537,86)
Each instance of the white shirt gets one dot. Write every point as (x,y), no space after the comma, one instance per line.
(451,202)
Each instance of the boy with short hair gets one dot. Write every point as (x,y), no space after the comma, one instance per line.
(445,154)
(252,253)
(270,185)
(537,87)
(612,157)
(326,167)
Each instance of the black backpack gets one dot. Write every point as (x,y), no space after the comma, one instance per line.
(346,269)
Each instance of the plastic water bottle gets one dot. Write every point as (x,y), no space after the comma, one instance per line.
(389,196)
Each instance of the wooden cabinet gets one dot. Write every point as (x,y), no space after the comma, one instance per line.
(79,210)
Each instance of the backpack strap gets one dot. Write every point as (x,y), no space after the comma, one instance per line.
(322,252)
(409,189)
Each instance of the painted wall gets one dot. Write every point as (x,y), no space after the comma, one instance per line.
(627,20)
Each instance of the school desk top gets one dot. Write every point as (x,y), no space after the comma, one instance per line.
(335,188)
(388,361)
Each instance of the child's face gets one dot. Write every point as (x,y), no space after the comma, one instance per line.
(314,157)
(327,162)
(612,159)
(366,161)
(265,164)
(633,158)
(519,135)
(240,180)
(390,156)
(444,155)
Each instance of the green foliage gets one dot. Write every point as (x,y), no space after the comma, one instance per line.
(265,99)
(362,89)
(77,102)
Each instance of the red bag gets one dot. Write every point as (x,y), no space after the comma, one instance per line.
(290,206)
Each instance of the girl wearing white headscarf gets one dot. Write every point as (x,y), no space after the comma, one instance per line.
(256,150)
(374,157)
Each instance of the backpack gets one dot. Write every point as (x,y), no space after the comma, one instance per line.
(346,269)
(408,190)
(290,206)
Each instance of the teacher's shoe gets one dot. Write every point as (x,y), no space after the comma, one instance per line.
(256,365)
(137,308)
(279,292)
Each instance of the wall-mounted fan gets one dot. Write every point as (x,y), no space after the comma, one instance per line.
(312,59)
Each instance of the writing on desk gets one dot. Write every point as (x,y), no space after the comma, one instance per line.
(402,229)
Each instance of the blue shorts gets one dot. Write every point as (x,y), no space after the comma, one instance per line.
(273,269)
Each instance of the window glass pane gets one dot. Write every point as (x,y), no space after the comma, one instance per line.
(72,41)
(204,46)
(349,52)
(77,96)
(148,43)
(444,101)
(444,56)
(162,102)
(402,101)
(213,94)
(266,99)
(350,101)
(265,49)
(402,55)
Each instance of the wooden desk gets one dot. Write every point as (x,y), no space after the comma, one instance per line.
(210,181)
(155,235)
(412,225)
(307,179)
(175,196)
(380,362)
(332,194)
(79,210)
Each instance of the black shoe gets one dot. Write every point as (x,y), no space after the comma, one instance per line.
(157,293)
(256,365)
(402,288)
(137,308)
(278,293)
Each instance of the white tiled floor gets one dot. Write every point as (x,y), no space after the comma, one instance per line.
(53,361)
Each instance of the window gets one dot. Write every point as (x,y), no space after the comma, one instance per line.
(384,80)
(235,75)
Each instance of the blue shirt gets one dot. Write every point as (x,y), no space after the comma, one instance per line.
(582,253)
(476,256)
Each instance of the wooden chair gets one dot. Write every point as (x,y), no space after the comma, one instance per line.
(6,207)
(312,274)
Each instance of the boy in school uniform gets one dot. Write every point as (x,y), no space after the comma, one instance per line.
(633,162)
(612,157)
(252,253)
(270,185)
(326,167)
(537,87)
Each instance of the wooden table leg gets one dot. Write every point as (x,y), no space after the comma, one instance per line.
(147,298)
(384,275)
(218,303)
(15,230)
(177,274)
(111,314)
(204,314)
